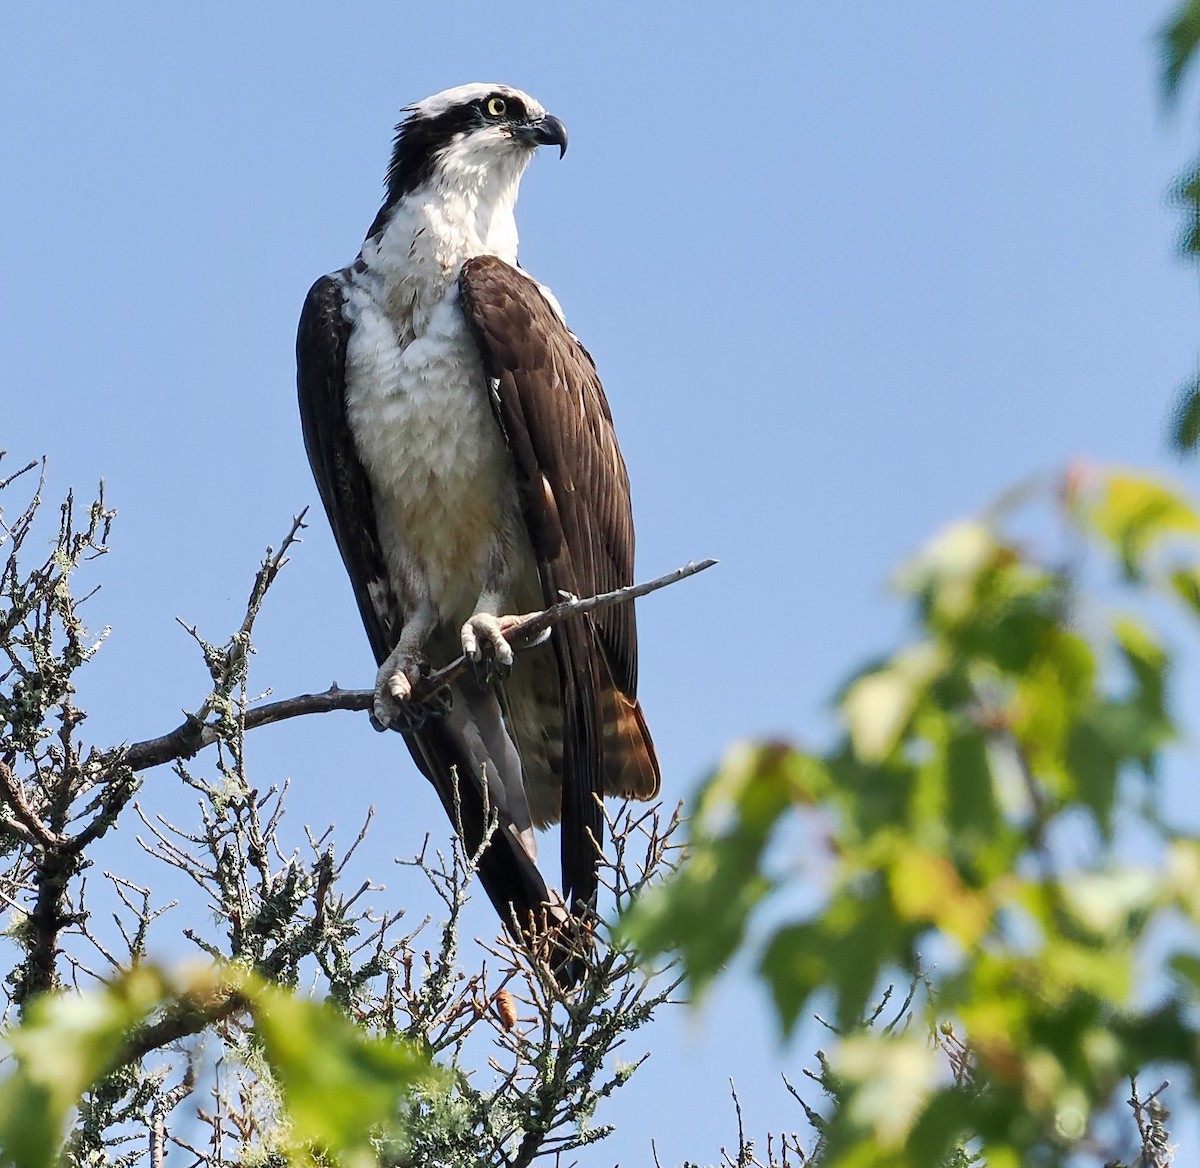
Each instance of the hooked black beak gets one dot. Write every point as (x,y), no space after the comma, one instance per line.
(547,131)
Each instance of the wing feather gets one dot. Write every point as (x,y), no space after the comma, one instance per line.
(574,490)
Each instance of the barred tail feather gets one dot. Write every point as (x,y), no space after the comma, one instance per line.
(631,768)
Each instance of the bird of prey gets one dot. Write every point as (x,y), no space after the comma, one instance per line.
(464,451)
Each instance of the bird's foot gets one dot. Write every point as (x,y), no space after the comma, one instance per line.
(395,708)
(485,645)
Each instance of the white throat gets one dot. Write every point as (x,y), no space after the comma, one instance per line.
(465,208)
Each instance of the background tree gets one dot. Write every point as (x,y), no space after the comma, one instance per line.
(220,1061)
(988,833)
(970,837)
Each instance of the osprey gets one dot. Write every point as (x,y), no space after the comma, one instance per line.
(464,451)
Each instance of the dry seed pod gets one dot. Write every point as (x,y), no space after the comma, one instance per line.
(507,1009)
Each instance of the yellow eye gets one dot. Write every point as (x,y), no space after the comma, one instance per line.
(496,106)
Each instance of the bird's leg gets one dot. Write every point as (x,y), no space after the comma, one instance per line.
(482,637)
(485,635)
(399,674)
(485,645)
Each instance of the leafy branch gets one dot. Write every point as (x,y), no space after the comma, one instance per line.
(969,815)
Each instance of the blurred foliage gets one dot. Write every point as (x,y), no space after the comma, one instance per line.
(1179,42)
(971,831)
(340,1087)
(1180,39)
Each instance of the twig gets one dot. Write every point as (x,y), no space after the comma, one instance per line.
(194,734)
(12,794)
(163,1106)
(526,632)
(1151,1117)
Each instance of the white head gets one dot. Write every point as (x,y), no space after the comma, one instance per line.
(475,135)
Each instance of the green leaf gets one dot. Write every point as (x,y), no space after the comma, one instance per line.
(1186,584)
(972,810)
(341,1086)
(1183,873)
(843,952)
(65,1045)
(1135,512)
(1147,661)
(878,706)
(946,574)
(1109,904)
(1166,1034)
(889,1081)
(1184,427)
(927,890)
(702,912)
(940,1126)
(1187,967)
(1179,41)
(1095,764)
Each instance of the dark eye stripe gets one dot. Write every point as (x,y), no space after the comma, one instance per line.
(419,138)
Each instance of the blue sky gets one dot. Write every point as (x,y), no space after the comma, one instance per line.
(848,271)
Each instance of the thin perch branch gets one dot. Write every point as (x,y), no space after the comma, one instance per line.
(194,734)
(525,633)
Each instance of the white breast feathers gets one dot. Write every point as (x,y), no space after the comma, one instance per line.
(432,449)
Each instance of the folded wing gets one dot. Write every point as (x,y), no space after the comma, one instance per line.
(574,493)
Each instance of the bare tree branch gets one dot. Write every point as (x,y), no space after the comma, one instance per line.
(181,1020)
(277,913)
(194,734)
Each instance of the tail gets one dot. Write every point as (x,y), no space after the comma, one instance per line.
(509,876)
(631,769)
(533,915)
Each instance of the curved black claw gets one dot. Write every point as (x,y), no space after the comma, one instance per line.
(411,715)
(489,666)
(440,702)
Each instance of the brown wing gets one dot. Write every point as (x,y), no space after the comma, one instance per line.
(509,877)
(575,497)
